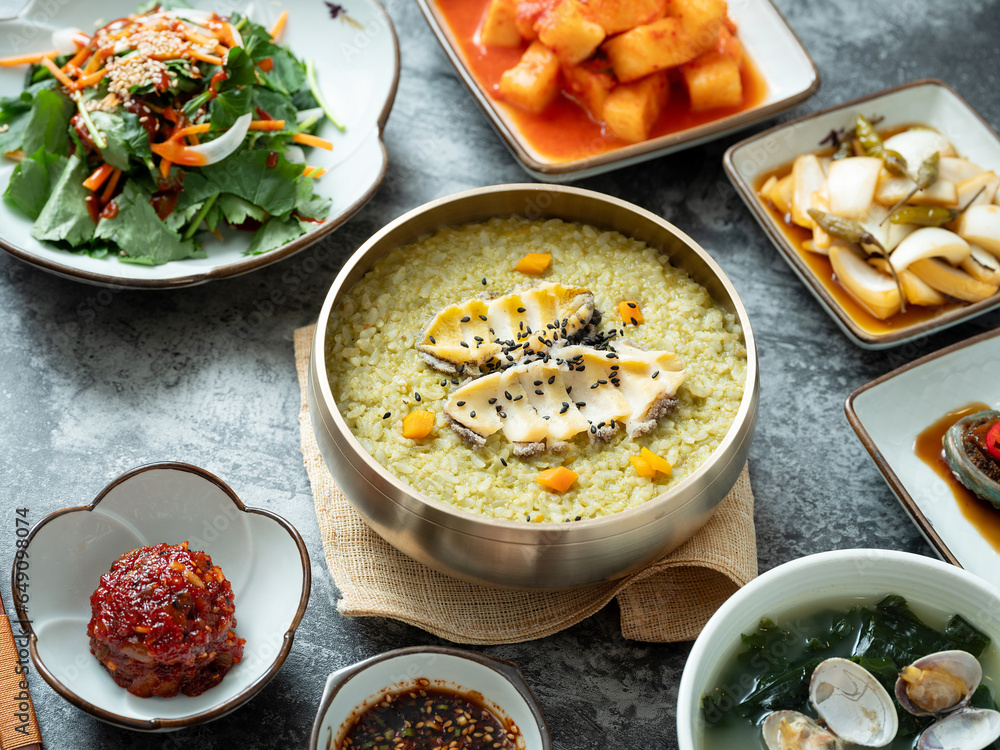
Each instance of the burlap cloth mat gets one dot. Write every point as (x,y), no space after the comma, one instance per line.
(669,600)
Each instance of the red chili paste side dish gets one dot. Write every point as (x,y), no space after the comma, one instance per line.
(582,77)
(163,622)
(425,718)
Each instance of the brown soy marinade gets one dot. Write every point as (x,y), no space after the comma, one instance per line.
(928,448)
(425,718)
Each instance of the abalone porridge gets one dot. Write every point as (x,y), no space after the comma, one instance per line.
(623,357)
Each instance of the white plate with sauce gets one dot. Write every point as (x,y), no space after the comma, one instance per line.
(892,411)
(356,54)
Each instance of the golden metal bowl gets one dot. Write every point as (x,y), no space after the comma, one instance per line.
(515,554)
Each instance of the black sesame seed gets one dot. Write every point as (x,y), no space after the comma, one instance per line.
(493,400)
(615,367)
(634,321)
(569,390)
(499,408)
(520,309)
(465,319)
(580,404)
(503,415)
(465,345)
(444,382)
(565,408)
(595,385)
(484,282)
(546,416)
(454,381)
(483,318)
(503,462)
(593,430)
(387,415)
(539,392)
(478,339)
(632,305)
(519,397)
(552,379)
(472,414)
(507,394)
(432,339)
(459,403)
(578,518)
(538,382)
(656,375)
(416,395)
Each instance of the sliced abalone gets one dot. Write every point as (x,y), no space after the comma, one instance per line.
(938,683)
(791,730)
(541,404)
(852,703)
(967,455)
(489,332)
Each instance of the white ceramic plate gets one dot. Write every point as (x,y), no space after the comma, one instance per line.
(357,64)
(779,56)
(260,553)
(890,412)
(926,102)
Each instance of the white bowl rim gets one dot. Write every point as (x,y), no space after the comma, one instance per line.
(340,679)
(161,724)
(773,577)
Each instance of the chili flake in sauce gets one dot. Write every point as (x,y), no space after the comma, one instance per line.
(424,718)
(162,622)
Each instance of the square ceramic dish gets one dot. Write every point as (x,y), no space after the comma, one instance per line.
(787,71)
(889,413)
(927,102)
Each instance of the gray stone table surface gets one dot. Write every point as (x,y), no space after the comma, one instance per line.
(93,382)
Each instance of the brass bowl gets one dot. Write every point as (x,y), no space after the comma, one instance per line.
(507,553)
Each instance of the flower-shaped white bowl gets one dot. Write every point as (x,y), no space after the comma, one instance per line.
(811,583)
(496,684)
(66,553)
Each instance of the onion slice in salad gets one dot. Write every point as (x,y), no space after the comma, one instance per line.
(210,152)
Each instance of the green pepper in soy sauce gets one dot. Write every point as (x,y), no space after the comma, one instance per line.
(850,230)
(926,176)
(930,216)
(871,143)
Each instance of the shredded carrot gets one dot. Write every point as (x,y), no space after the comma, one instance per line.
(309,170)
(165,168)
(267,64)
(212,59)
(418,424)
(559,479)
(191,130)
(177,152)
(311,140)
(90,80)
(77,60)
(657,463)
(109,188)
(319,173)
(629,312)
(534,263)
(64,79)
(279,25)
(99,176)
(193,36)
(30,59)
(642,467)
(267,125)
(95,62)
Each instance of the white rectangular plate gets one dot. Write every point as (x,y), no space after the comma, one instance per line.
(782,61)
(927,102)
(890,412)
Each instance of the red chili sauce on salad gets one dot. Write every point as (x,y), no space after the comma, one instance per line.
(423,718)
(163,621)
(983,516)
(564,131)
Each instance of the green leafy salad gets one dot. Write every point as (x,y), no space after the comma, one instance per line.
(161,127)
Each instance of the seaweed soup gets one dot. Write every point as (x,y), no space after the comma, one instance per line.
(770,669)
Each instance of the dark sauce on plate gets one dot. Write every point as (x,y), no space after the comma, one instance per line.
(983,516)
(423,718)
